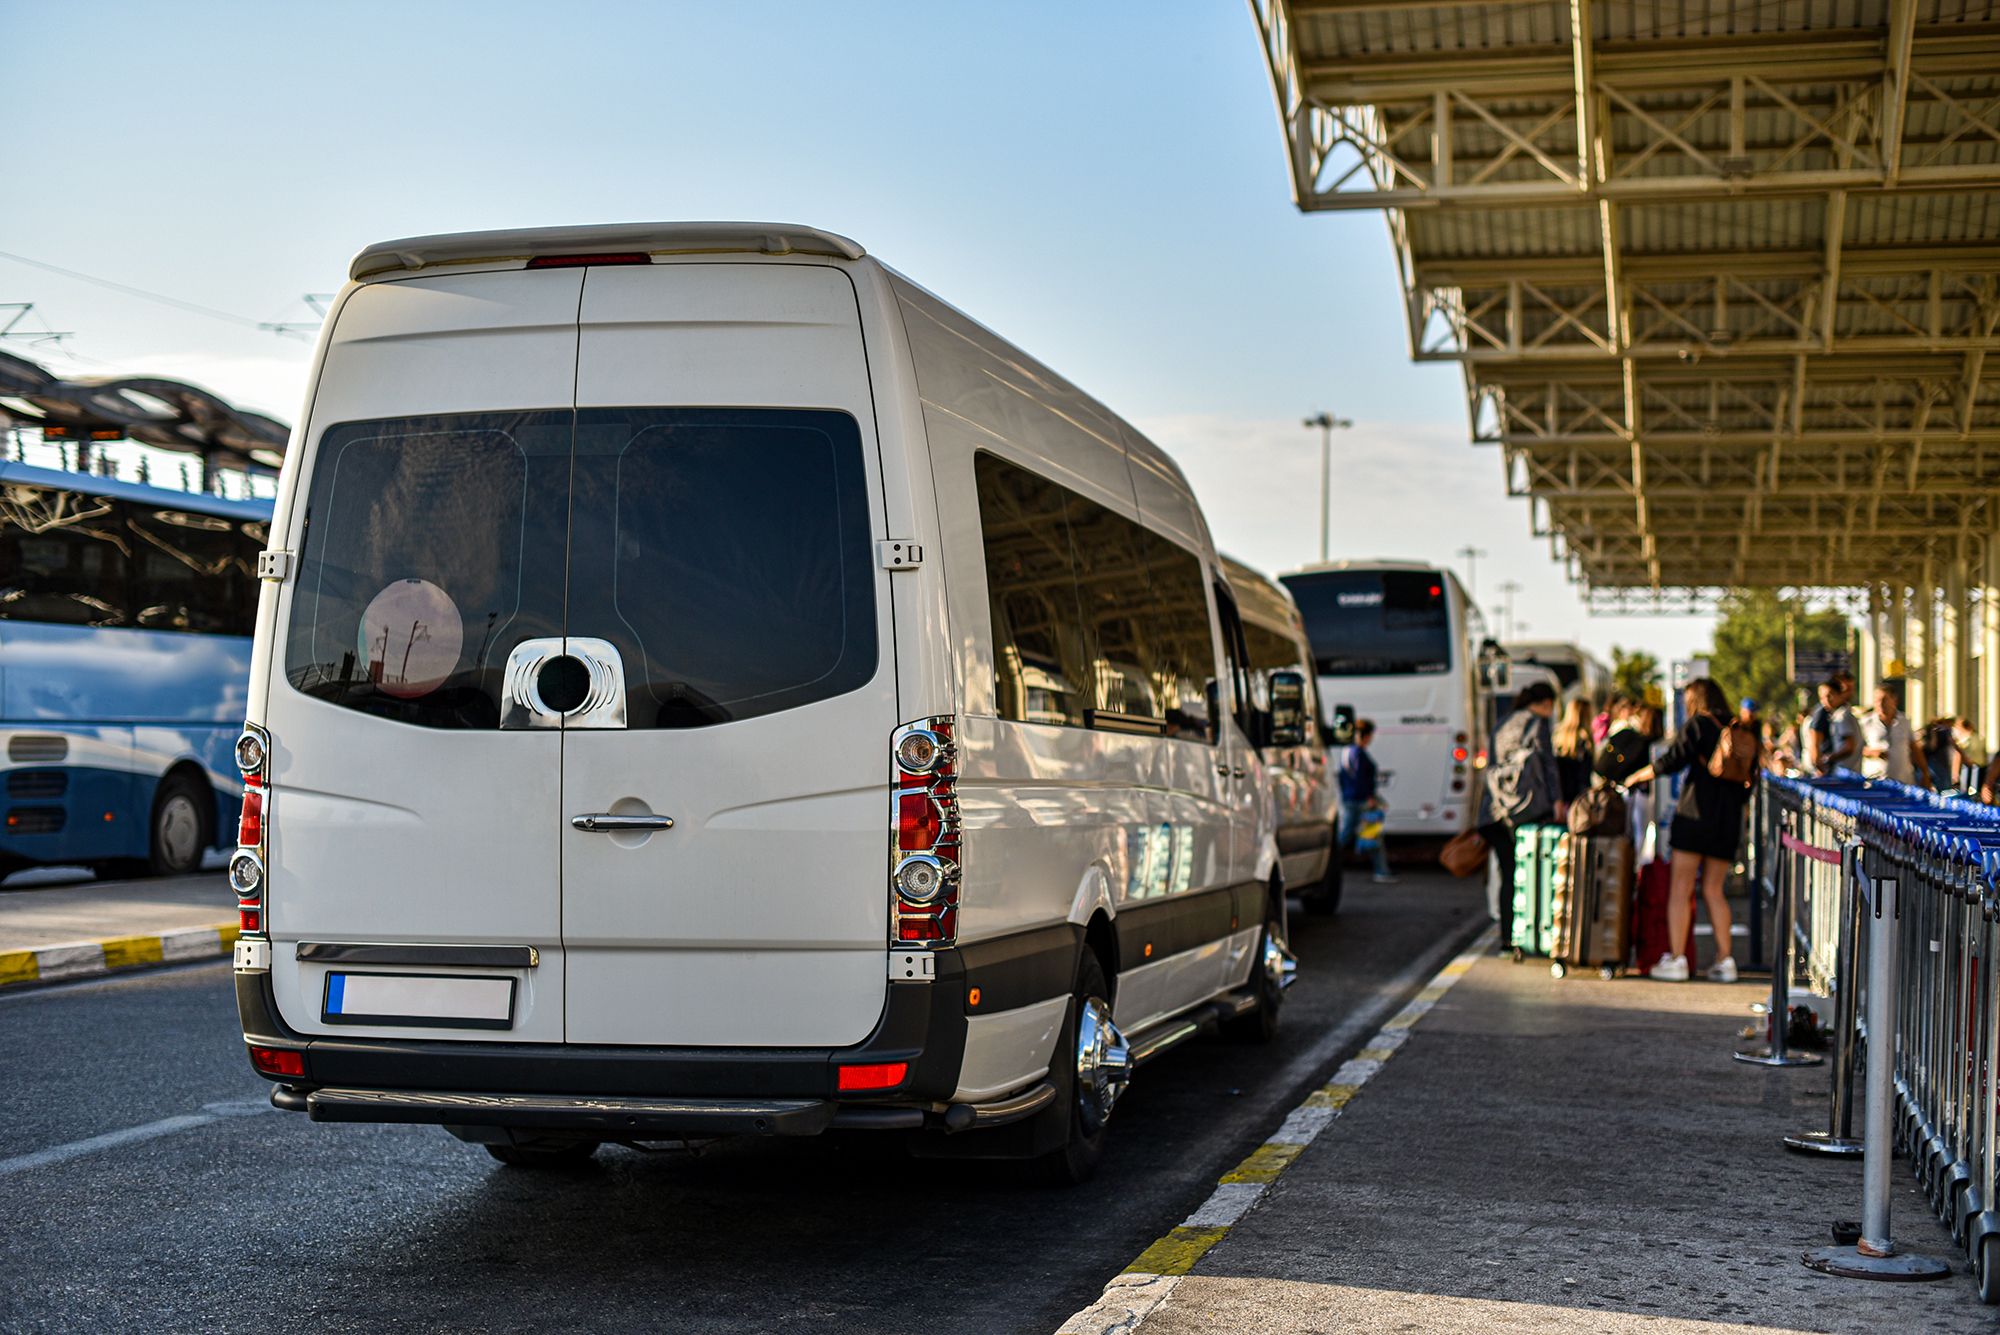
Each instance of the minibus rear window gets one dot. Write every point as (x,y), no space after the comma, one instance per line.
(432,546)
(726,553)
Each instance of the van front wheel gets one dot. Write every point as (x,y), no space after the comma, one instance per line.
(1092,1066)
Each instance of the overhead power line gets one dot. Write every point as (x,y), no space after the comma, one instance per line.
(192,307)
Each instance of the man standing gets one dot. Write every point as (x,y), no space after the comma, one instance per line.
(1360,793)
(1889,744)
(1832,739)
(1524,787)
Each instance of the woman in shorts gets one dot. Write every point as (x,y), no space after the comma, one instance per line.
(1708,824)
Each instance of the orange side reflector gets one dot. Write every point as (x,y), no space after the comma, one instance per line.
(972,997)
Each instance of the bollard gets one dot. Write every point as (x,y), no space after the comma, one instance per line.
(1782,946)
(1838,1140)
(1875,1255)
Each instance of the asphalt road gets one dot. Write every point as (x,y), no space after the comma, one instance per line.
(144,1184)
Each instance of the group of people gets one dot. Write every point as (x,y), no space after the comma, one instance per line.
(1886,743)
(1540,767)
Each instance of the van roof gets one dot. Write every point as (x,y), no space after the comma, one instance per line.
(521,244)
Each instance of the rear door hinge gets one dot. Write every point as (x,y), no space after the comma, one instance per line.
(274,566)
(899,554)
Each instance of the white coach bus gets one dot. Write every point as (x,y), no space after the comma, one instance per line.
(706,684)
(1398,642)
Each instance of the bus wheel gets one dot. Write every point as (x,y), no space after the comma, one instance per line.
(182,814)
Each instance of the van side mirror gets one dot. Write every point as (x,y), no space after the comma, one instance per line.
(1288,708)
(1342,732)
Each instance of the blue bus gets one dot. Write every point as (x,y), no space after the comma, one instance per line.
(125,620)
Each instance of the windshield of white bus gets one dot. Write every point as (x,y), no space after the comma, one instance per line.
(1375,623)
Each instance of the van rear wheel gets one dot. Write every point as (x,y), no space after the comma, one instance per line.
(1267,982)
(544,1153)
(1091,1068)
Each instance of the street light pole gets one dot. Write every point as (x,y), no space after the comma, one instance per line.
(1508,588)
(1472,555)
(1326,422)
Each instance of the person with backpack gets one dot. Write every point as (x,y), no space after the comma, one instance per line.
(1719,753)
(1522,788)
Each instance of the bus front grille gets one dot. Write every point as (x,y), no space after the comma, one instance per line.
(35,820)
(33,748)
(43,784)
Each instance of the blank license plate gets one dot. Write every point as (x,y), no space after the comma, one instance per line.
(442,1000)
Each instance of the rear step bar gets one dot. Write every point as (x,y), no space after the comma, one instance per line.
(615,1117)
(1169,1034)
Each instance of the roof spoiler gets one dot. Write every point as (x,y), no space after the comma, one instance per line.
(519,245)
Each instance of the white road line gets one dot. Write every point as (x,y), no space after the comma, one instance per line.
(131,1135)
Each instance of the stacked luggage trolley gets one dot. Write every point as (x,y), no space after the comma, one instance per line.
(1872,864)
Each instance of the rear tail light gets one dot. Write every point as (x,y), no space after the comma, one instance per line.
(280,1061)
(246,865)
(924,853)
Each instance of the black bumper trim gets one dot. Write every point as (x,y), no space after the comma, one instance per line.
(613,1116)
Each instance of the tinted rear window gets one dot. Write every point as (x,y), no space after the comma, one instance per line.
(432,547)
(1365,623)
(727,554)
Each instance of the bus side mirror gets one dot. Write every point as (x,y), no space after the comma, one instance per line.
(1342,732)
(1496,671)
(1288,708)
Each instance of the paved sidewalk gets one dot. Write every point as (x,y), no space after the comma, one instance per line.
(1559,1157)
(58,932)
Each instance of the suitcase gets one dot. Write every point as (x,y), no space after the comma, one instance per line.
(1649,920)
(1593,893)
(1534,885)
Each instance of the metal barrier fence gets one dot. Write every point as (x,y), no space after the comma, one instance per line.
(1897,891)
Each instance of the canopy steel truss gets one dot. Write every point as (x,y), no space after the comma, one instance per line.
(1723,280)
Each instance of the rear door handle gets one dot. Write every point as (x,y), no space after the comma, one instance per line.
(603,822)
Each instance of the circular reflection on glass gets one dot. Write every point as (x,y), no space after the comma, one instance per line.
(410,638)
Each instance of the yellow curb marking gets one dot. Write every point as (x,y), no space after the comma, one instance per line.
(1376,1054)
(227,934)
(18,966)
(122,952)
(1176,1253)
(1264,1164)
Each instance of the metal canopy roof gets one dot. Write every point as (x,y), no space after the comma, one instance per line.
(1723,276)
(171,414)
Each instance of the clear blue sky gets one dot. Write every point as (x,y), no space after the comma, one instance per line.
(1104,183)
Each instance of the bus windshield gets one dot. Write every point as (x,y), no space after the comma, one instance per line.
(1375,623)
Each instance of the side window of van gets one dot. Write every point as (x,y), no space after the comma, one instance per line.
(1270,651)
(1040,669)
(1097,621)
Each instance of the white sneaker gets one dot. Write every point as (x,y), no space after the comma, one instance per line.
(1670,969)
(1388,880)
(1723,970)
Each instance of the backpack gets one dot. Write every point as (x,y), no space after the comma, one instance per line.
(1734,759)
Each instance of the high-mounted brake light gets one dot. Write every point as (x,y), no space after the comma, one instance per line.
(579,261)
(924,846)
(880,1075)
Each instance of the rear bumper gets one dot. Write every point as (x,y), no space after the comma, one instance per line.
(681,1091)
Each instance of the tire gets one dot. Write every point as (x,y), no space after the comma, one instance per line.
(545,1154)
(1987,1265)
(1089,1106)
(182,826)
(1267,981)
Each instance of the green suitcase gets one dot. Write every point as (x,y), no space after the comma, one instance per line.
(1534,888)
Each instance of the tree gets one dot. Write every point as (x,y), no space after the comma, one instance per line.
(1749,654)
(1632,671)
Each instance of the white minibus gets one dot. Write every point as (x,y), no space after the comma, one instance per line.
(706,684)
(1575,668)
(1398,642)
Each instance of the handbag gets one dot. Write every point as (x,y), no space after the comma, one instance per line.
(1599,811)
(1369,835)
(1465,854)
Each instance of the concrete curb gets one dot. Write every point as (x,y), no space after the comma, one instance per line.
(116,954)
(1152,1277)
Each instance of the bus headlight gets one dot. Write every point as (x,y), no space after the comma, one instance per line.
(246,874)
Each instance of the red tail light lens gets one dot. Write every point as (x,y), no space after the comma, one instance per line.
(250,828)
(924,860)
(918,820)
(252,920)
(283,1061)
(883,1075)
(1459,753)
